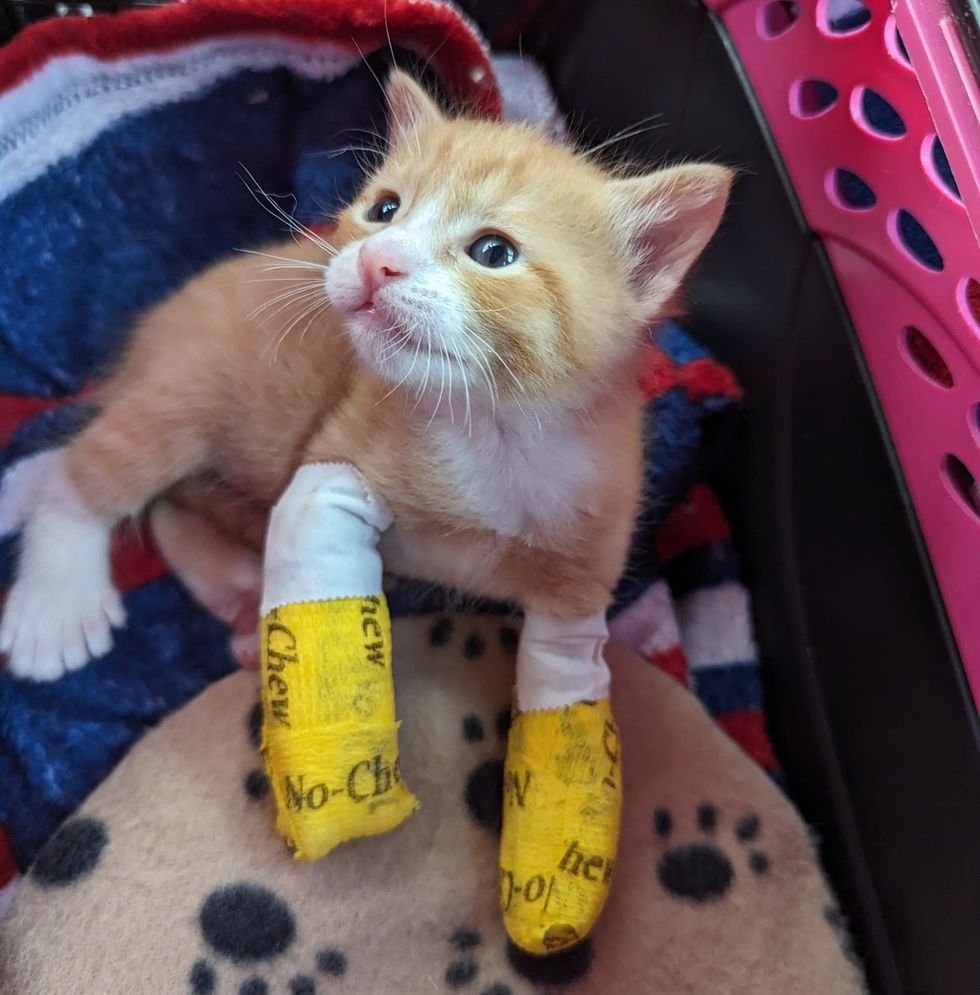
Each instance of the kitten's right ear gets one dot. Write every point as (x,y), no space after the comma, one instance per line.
(668,218)
(409,107)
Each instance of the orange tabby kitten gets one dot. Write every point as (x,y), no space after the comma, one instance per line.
(469,338)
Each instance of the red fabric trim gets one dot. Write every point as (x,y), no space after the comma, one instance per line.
(703,378)
(434,29)
(135,560)
(748,729)
(694,522)
(15,409)
(672,661)
(659,373)
(8,869)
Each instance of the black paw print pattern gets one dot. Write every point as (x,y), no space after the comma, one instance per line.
(464,970)
(73,853)
(475,644)
(484,791)
(249,925)
(554,972)
(256,783)
(701,871)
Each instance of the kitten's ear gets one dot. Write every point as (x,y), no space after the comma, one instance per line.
(409,106)
(668,217)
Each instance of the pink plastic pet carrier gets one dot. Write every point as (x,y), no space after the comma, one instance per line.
(858,132)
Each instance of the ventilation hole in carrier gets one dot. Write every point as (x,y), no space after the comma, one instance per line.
(916,241)
(810,97)
(975,423)
(852,191)
(894,44)
(845,16)
(962,482)
(970,302)
(777,17)
(925,357)
(941,165)
(875,113)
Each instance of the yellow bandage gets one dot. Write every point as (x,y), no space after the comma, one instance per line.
(330,738)
(562,800)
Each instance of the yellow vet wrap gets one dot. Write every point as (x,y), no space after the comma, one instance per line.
(330,738)
(562,800)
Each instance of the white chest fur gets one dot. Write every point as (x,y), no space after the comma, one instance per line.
(514,475)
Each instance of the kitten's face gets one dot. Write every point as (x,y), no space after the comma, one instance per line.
(482,259)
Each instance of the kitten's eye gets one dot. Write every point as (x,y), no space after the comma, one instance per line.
(493,251)
(384,209)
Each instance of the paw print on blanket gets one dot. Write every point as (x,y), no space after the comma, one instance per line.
(72,853)
(485,782)
(249,925)
(702,871)
(475,642)
(464,971)
(256,783)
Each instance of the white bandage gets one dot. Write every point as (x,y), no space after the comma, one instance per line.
(323,538)
(560,662)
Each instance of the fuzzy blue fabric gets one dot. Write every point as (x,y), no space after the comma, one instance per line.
(88,245)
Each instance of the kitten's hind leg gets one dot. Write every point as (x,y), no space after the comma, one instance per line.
(63,605)
(222,575)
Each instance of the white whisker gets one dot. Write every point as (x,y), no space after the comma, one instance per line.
(370,69)
(408,373)
(483,365)
(272,208)
(640,127)
(274,279)
(420,393)
(383,143)
(449,394)
(395,347)
(284,298)
(442,387)
(309,311)
(316,313)
(391,48)
(289,263)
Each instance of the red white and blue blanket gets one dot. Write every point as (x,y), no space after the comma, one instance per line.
(122,141)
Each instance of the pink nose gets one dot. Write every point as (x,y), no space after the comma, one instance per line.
(378,265)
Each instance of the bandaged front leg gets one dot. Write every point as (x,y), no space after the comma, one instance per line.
(330,738)
(562,786)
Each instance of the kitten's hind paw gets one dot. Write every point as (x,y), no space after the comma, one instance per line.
(61,608)
(47,631)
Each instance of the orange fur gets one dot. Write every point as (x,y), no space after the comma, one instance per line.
(545,350)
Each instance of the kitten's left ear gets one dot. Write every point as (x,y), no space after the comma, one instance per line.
(409,107)
(668,218)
